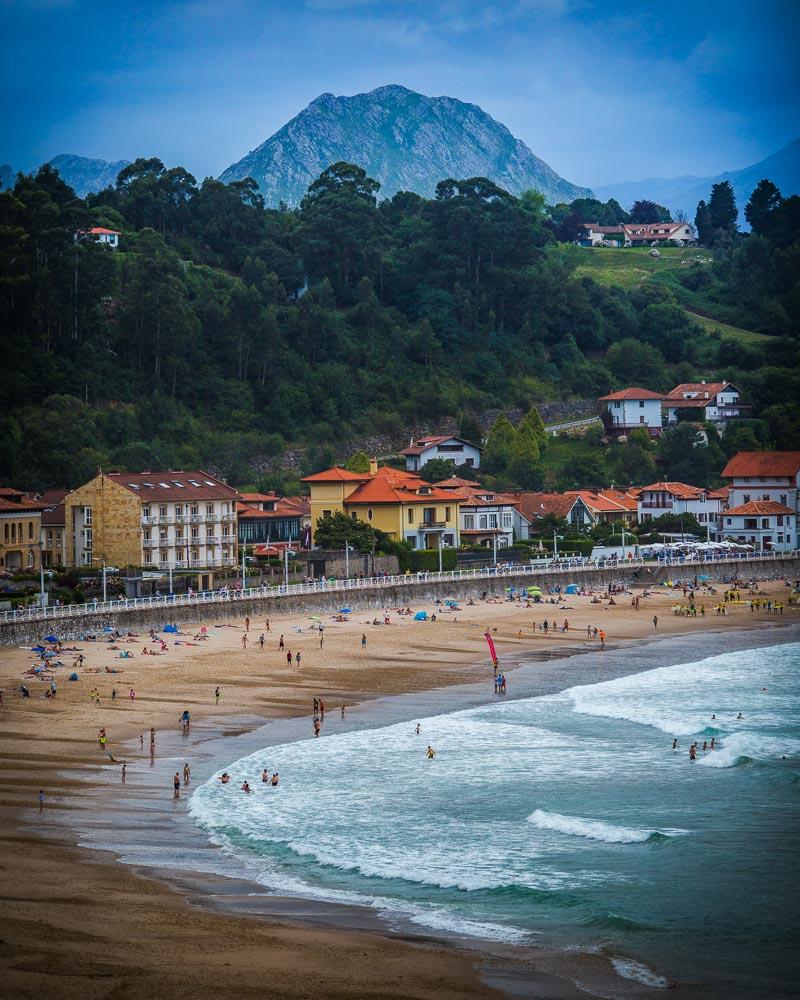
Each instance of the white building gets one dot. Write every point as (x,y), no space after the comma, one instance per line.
(485,517)
(679,498)
(712,402)
(453,449)
(108,237)
(764,524)
(763,477)
(635,233)
(632,408)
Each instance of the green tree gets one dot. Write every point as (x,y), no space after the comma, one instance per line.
(722,210)
(437,469)
(358,462)
(686,458)
(637,364)
(335,530)
(470,429)
(759,210)
(702,224)
(500,446)
(644,211)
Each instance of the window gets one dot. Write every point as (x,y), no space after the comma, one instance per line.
(354,515)
(30,529)
(326,513)
(750,523)
(641,420)
(469,522)
(783,499)
(412,541)
(447,513)
(482,522)
(87,515)
(162,535)
(428,515)
(178,509)
(641,404)
(209,510)
(162,510)
(30,559)
(493,520)
(746,498)
(145,511)
(764,522)
(410,515)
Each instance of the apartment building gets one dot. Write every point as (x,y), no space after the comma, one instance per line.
(159,520)
(20,529)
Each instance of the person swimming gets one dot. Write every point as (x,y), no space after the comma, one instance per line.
(674,744)
(265,775)
(693,752)
(739,716)
(418,730)
(430,753)
(246,787)
(224,777)
(274,780)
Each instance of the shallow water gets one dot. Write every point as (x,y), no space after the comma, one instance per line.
(565,818)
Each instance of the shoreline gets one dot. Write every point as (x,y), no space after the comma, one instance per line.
(439,965)
(504,964)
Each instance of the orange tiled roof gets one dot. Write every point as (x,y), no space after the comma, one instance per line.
(455,482)
(337,475)
(174,485)
(394,486)
(634,393)
(712,388)
(760,507)
(763,463)
(605,501)
(533,505)
(680,490)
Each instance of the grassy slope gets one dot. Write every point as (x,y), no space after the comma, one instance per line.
(633,266)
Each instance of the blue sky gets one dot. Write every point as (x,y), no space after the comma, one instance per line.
(603,91)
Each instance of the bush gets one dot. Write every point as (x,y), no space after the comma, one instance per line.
(581,546)
(427,560)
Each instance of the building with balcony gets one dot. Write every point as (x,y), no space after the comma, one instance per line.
(766,477)
(633,408)
(705,402)
(485,517)
(680,498)
(398,503)
(20,530)
(159,520)
(266,519)
(52,530)
(452,449)
(766,525)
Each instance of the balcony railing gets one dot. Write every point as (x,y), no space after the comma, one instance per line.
(211,540)
(150,543)
(656,506)
(228,517)
(433,525)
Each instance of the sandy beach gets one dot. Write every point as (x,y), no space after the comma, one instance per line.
(78,924)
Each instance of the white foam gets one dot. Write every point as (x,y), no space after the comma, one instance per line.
(593,829)
(639,973)
(748,744)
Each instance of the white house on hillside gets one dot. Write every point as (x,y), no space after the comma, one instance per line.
(453,449)
(712,402)
(637,234)
(109,237)
(764,524)
(632,408)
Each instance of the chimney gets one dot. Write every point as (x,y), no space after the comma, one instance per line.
(373,466)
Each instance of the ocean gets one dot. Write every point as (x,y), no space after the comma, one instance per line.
(565,820)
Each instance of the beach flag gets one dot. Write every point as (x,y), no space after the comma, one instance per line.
(492,651)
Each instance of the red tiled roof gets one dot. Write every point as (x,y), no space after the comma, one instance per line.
(760,507)
(174,486)
(102,231)
(680,490)
(394,486)
(337,475)
(533,505)
(456,482)
(712,388)
(634,393)
(763,463)
(606,501)
(25,506)
(282,509)
(258,497)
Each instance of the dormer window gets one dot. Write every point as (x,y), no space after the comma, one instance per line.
(424,490)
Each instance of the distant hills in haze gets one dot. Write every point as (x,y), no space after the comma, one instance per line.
(782,168)
(405,140)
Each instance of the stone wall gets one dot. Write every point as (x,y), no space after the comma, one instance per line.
(116,522)
(417,595)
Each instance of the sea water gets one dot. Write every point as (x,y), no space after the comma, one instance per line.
(565,820)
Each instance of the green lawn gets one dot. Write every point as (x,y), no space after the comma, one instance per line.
(631,266)
(748,337)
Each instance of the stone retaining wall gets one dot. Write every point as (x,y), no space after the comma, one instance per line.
(416,595)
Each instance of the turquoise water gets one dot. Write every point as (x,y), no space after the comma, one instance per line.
(565,819)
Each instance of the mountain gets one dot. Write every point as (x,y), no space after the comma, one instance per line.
(84,174)
(782,168)
(405,140)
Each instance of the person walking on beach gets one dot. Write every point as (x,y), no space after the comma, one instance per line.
(289,657)
(132,695)
(322,709)
(266,625)
(152,738)
(317,727)
(321,636)
(280,642)
(297,659)
(41,799)
(342,711)
(244,641)
(247,624)
(186,773)
(602,639)
(261,641)
(363,640)
(141,741)
(124,772)
(216,695)
(655,621)
(176,786)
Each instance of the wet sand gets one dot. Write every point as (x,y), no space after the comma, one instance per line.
(76,923)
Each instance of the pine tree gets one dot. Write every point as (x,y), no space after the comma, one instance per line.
(764,200)
(722,208)
(500,446)
(532,421)
(359,462)
(702,223)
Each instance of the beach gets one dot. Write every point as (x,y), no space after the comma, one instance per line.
(78,923)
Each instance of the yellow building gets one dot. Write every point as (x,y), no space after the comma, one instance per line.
(400,504)
(160,520)
(20,531)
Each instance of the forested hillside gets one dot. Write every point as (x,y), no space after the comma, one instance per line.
(221,332)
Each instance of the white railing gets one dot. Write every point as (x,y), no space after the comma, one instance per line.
(538,566)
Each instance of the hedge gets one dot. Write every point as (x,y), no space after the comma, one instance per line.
(427,560)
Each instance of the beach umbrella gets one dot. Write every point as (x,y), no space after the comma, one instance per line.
(107,628)
(345,611)
(51,638)
(421,616)
(572,588)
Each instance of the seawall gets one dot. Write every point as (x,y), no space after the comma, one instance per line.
(412,592)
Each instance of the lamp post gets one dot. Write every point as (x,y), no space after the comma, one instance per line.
(347,559)
(555,545)
(104,582)
(440,551)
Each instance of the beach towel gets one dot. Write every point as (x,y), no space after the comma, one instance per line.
(421,616)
